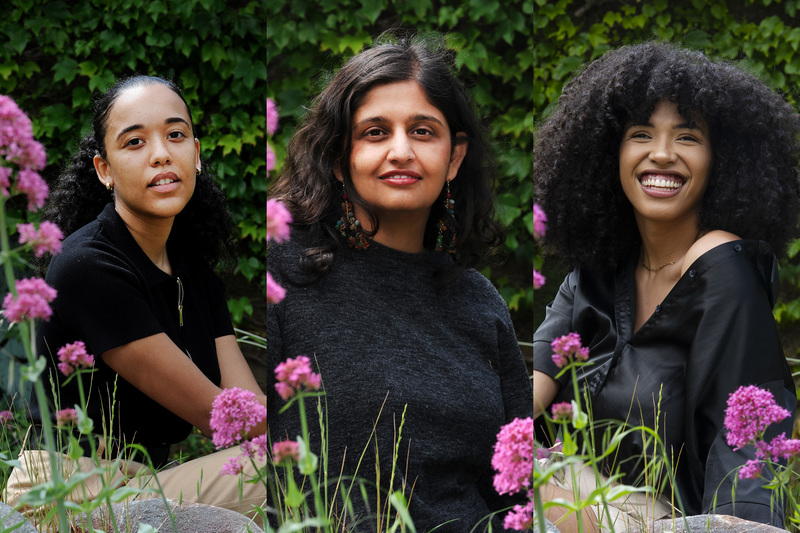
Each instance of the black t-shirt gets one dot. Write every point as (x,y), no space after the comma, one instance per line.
(109,294)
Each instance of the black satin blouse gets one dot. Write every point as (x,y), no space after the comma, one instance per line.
(712,333)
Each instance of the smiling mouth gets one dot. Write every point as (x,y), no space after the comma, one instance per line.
(664,183)
(163,181)
(400,177)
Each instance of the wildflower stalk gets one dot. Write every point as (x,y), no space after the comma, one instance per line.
(27,330)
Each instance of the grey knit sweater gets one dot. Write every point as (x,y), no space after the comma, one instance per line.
(385,341)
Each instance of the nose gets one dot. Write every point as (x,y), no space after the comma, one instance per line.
(400,148)
(663,153)
(159,154)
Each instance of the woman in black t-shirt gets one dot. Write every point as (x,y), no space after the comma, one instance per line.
(144,225)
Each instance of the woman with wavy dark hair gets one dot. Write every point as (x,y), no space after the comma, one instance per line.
(145,225)
(389,181)
(670,181)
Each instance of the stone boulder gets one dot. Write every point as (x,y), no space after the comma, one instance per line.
(189,517)
(707,523)
(9,517)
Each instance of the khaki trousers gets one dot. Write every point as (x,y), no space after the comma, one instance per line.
(197,481)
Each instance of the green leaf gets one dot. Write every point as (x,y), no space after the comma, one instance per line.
(214,52)
(66,70)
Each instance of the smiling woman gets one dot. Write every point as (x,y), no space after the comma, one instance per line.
(389,183)
(145,226)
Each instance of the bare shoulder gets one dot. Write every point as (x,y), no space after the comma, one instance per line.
(710,240)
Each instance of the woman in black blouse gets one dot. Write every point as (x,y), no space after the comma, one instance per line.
(145,224)
(669,180)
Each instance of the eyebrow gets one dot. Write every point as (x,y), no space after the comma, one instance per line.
(415,118)
(683,126)
(133,127)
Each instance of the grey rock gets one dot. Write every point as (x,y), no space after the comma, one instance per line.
(189,518)
(9,517)
(707,523)
(549,527)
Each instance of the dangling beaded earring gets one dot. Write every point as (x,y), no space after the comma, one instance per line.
(449,209)
(350,227)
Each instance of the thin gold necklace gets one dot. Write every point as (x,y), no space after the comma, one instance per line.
(656,269)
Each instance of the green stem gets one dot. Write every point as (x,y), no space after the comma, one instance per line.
(319,508)
(539,508)
(27,330)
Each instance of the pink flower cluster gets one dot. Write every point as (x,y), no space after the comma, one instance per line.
(275,293)
(562,411)
(287,450)
(295,374)
(47,239)
(539,220)
(234,412)
(66,417)
(74,356)
(32,300)
(18,147)
(538,279)
(5,417)
(568,348)
(278,221)
(513,461)
(250,449)
(272,125)
(750,411)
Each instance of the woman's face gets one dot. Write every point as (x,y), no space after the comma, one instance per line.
(401,154)
(151,154)
(664,165)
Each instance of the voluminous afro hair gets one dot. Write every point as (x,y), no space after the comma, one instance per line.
(753,183)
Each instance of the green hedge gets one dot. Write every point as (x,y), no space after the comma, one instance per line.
(306,40)
(54,55)
(762,35)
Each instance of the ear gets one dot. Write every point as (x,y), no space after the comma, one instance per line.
(103,171)
(457,155)
(337,171)
(197,164)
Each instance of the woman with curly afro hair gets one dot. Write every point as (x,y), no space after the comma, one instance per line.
(145,225)
(670,182)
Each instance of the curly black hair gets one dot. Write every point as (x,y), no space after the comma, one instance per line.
(309,188)
(753,187)
(203,228)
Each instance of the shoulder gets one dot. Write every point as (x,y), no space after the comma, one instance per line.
(704,244)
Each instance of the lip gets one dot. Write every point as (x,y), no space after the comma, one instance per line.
(401,172)
(166,187)
(660,183)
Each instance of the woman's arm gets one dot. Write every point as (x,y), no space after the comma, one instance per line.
(544,390)
(158,368)
(233,367)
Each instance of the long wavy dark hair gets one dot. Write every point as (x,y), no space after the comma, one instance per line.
(204,227)
(753,185)
(322,141)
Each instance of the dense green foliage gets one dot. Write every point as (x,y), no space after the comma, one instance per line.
(54,55)
(493,42)
(763,35)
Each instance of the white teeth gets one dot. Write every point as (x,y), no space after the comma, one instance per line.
(661,183)
(401,177)
(163,181)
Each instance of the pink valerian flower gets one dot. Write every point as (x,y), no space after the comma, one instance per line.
(520,518)
(272,117)
(279,221)
(5,417)
(750,410)
(294,374)
(74,356)
(568,348)
(234,412)
(32,184)
(287,450)
(47,239)
(233,466)
(561,411)
(538,279)
(513,456)
(16,137)
(66,417)
(32,300)
(539,219)
(275,293)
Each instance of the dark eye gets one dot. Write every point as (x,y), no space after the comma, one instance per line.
(690,138)
(422,131)
(176,134)
(133,142)
(374,132)
(640,135)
